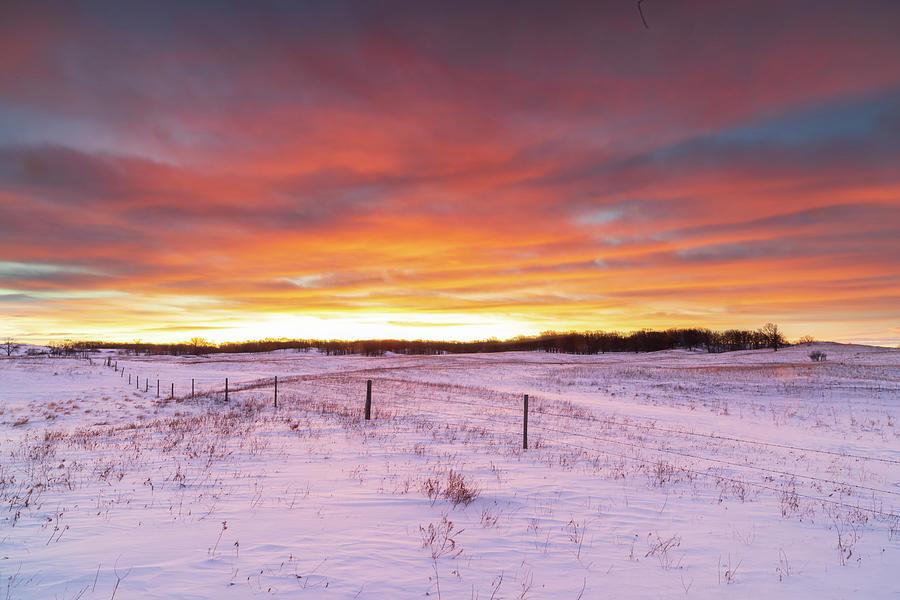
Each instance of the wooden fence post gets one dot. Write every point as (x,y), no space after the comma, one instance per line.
(157,388)
(173,391)
(192,387)
(276,391)
(129,379)
(368,399)
(525,426)
(146,383)
(226,389)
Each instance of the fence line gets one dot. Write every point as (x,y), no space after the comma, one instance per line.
(337,381)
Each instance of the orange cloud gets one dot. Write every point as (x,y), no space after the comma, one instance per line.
(448,171)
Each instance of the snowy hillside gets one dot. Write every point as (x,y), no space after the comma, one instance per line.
(678,474)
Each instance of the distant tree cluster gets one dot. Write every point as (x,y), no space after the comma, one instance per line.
(573,342)
(73,348)
(200,346)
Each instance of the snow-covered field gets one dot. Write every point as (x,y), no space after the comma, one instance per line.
(667,475)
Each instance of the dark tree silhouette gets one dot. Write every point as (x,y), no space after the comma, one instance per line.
(569,342)
(772,336)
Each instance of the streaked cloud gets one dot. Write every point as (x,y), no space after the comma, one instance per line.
(425,169)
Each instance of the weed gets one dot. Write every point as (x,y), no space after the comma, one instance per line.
(489,518)
(727,573)
(456,489)
(784,566)
(575,531)
(660,548)
(440,539)
(212,551)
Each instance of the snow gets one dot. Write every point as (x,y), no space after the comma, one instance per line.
(671,474)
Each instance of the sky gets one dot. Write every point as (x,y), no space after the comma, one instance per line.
(441,170)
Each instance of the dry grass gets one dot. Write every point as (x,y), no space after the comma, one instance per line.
(454,487)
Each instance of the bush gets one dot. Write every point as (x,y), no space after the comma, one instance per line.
(457,490)
(817,356)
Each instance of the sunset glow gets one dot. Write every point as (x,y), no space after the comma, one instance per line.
(448,171)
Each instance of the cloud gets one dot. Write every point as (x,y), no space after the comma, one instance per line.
(869,244)
(557,163)
(19,269)
(15,298)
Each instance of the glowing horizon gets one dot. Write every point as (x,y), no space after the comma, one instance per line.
(421,171)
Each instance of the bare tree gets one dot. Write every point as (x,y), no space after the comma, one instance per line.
(11,346)
(772,336)
(198,345)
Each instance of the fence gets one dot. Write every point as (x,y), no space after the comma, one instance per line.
(506,416)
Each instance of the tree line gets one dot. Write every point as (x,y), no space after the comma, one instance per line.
(571,342)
